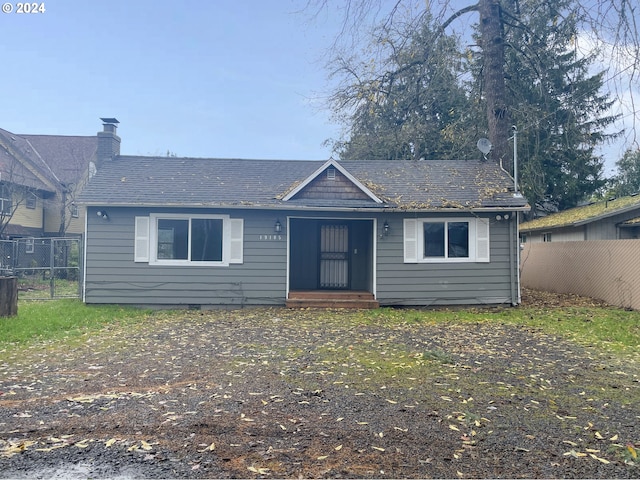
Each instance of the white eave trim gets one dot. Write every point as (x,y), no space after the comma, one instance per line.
(342,170)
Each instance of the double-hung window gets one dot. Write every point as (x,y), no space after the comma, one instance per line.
(6,201)
(446,240)
(31,201)
(171,239)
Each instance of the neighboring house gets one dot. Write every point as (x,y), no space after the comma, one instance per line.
(616,219)
(40,176)
(206,232)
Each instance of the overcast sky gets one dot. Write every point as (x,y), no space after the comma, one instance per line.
(202,78)
(219,78)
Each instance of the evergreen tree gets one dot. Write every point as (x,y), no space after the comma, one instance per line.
(416,109)
(416,104)
(556,104)
(627,179)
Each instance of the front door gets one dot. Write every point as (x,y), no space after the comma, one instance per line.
(334,256)
(331,254)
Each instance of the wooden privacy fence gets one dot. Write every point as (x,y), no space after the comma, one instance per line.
(605,269)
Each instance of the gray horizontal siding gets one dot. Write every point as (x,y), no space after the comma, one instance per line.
(424,284)
(113,277)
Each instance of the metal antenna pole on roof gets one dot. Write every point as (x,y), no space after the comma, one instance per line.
(515,158)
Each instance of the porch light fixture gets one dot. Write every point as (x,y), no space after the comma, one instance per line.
(278,226)
(385,228)
(102,214)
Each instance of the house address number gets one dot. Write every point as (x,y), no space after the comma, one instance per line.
(270,237)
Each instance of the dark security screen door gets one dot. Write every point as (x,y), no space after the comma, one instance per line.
(334,256)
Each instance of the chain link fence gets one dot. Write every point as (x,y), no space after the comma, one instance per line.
(45,267)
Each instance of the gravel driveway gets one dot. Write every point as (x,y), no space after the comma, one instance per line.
(279,393)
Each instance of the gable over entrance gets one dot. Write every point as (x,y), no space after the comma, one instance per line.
(332,181)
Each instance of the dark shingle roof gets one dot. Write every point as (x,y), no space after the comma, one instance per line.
(67,157)
(57,159)
(424,185)
(19,164)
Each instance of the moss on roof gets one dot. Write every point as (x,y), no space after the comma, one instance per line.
(583,214)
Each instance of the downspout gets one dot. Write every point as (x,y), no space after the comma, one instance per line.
(513,266)
(515,294)
(84,256)
(518,251)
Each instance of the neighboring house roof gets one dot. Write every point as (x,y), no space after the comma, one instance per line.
(45,162)
(200,182)
(67,157)
(20,165)
(578,216)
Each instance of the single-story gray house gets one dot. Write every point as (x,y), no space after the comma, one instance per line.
(229,232)
(615,219)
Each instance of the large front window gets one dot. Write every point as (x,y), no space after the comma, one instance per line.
(446,239)
(188,240)
(196,239)
(443,240)
(193,239)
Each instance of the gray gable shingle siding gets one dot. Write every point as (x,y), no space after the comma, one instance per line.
(423,185)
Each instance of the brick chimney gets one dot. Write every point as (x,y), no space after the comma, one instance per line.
(108,141)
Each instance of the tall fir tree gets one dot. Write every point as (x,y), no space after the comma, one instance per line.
(627,179)
(417,109)
(557,104)
(430,98)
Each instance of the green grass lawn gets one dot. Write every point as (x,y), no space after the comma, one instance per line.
(614,329)
(611,329)
(57,319)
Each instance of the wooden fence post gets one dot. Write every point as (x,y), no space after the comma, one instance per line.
(8,296)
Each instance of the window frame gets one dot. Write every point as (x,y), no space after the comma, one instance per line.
(31,202)
(6,199)
(471,235)
(146,240)
(153,237)
(478,240)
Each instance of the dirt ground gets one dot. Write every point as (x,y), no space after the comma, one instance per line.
(277,393)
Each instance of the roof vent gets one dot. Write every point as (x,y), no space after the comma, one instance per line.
(331,173)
